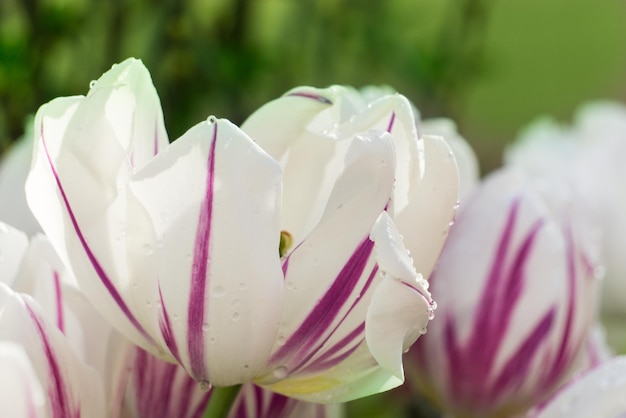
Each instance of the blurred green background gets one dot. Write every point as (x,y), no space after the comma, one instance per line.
(493,66)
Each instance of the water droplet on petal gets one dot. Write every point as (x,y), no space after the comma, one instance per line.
(236,316)
(92,84)
(211,119)
(219,291)
(147,249)
(423,331)
(205,386)
(281,340)
(280,372)
(598,272)
(205,327)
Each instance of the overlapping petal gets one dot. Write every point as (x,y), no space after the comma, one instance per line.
(315,130)
(71,389)
(515,295)
(195,212)
(155,233)
(597,393)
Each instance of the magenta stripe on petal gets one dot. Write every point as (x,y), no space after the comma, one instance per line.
(155,146)
(60,403)
(470,365)
(59,300)
(165,390)
(317,97)
(567,348)
(339,352)
(391,121)
(165,325)
(197,296)
(108,284)
(313,350)
(317,322)
(522,360)
(279,407)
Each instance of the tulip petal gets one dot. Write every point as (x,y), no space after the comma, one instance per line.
(72,389)
(467,162)
(598,393)
(256,402)
(21,394)
(14,166)
(357,376)
(159,389)
(13,244)
(85,148)
(427,217)
(328,277)
(79,206)
(195,212)
(401,306)
(310,130)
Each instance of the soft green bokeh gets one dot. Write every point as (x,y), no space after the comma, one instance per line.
(493,65)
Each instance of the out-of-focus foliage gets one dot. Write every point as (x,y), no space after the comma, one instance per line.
(490,64)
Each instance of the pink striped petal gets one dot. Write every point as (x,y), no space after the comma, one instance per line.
(195,212)
(401,305)
(310,130)
(71,389)
(329,277)
(21,394)
(516,300)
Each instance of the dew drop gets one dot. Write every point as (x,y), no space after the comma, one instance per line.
(423,331)
(211,119)
(205,386)
(92,84)
(281,340)
(598,272)
(148,304)
(242,286)
(383,163)
(219,291)
(280,372)
(147,249)
(236,316)
(212,340)
(205,327)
